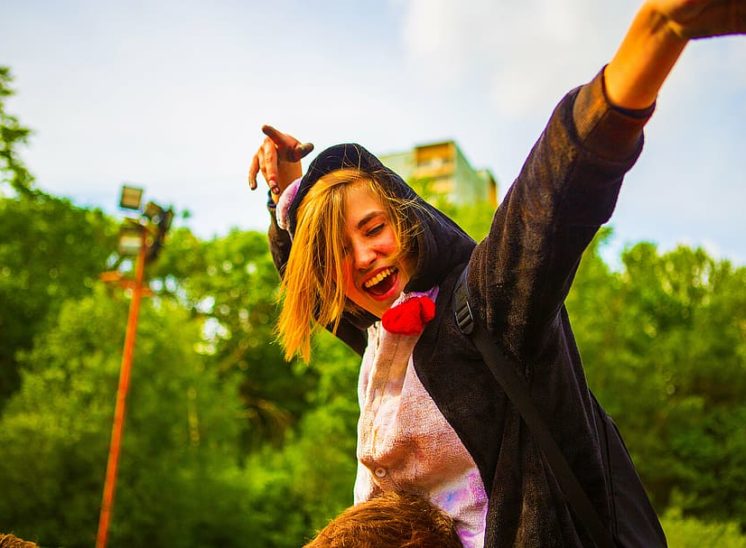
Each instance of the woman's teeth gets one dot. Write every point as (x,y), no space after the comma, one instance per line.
(378,278)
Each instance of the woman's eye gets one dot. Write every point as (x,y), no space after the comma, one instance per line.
(375,230)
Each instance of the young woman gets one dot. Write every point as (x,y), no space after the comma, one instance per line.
(355,245)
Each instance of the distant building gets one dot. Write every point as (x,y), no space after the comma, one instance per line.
(446,169)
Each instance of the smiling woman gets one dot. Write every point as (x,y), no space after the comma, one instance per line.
(355,245)
(351,229)
(375,269)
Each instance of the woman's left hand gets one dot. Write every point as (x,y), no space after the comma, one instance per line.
(690,19)
(655,40)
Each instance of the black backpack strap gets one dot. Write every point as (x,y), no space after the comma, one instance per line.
(505,370)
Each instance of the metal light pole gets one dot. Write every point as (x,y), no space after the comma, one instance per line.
(121,405)
(151,234)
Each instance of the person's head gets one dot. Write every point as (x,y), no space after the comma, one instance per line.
(352,251)
(391,519)
(12,541)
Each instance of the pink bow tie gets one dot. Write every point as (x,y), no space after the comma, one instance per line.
(409,317)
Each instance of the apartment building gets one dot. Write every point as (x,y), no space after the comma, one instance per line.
(443,167)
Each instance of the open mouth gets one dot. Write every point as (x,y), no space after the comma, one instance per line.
(381,283)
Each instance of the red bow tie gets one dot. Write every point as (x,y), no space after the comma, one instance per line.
(410,316)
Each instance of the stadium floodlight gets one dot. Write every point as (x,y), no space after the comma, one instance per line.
(131,197)
(154,212)
(130,239)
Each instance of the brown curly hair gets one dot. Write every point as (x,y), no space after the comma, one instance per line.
(390,519)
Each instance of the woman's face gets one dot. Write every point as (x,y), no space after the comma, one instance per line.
(375,274)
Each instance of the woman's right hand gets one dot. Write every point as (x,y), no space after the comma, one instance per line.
(278,158)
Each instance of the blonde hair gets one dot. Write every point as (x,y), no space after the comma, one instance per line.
(312,291)
(390,519)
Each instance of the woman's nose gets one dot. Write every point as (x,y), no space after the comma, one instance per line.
(364,256)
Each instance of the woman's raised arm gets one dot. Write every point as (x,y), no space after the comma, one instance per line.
(521,273)
(655,40)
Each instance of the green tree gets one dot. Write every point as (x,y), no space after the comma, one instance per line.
(691,533)
(231,283)
(664,345)
(50,251)
(13,172)
(179,480)
(309,480)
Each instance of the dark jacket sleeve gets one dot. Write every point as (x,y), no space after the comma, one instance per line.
(279,246)
(521,273)
(279,241)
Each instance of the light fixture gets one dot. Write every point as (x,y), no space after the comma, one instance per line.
(130,239)
(131,197)
(153,212)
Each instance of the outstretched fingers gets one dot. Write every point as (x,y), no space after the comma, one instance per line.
(278,137)
(290,149)
(254,170)
(268,163)
(299,151)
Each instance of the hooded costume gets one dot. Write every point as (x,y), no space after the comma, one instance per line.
(519,276)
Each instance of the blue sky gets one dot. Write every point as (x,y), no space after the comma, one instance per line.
(171,95)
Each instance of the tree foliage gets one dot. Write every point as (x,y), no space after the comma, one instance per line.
(50,251)
(664,345)
(179,450)
(684,532)
(231,284)
(13,172)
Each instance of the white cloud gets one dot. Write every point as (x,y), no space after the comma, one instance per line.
(527,53)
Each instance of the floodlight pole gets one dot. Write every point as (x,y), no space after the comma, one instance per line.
(121,405)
